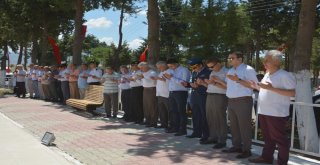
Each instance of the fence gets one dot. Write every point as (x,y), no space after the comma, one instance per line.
(292,134)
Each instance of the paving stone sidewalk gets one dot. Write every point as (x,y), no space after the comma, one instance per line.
(110,141)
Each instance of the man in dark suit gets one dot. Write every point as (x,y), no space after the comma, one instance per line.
(198,99)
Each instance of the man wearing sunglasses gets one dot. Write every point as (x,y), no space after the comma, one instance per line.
(239,93)
(216,104)
(198,100)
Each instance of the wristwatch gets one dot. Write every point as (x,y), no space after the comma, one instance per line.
(238,80)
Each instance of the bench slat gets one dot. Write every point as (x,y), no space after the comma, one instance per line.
(93,98)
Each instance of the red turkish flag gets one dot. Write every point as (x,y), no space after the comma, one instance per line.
(56,50)
(143,56)
(84,30)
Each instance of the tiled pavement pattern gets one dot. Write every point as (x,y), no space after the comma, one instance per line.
(109,141)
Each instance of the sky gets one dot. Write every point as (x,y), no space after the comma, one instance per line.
(104,25)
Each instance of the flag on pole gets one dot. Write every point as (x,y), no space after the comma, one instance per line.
(143,56)
(83,30)
(56,50)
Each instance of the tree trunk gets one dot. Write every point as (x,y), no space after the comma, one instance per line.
(116,57)
(25,59)
(257,65)
(153,31)
(20,54)
(44,46)
(306,124)
(3,66)
(315,77)
(78,37)
(34,51)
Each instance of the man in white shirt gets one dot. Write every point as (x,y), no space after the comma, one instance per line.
(21,87)
(216,104)
(35,82)
(95,74)
(40,73)
(276,88)
(163,95)
(240,102)
(135,112)
(124,86)
(64,71)
(150,109)
(29,75)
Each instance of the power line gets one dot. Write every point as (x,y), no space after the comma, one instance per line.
(270,5)
(269,8)
(254,8)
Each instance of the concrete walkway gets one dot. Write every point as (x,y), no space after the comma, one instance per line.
(112,141)
(19,147)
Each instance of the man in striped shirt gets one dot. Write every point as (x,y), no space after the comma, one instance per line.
(110,93)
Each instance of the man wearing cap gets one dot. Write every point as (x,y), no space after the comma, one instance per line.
(178,76)
(198,100)
(240,102)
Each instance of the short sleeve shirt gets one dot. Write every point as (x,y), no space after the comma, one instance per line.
(221,74)
(244,72)
(271,103)
(147,81)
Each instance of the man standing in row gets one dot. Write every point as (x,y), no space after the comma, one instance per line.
(163,95)
(177,76)
(276,88)
(21,87)
(239,93)
(149,94)
(198,100)
(124,86)
(216,105)
(29,75)
(110,92)
(136,105)
(95,74)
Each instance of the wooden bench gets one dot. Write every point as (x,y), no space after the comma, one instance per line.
(93,98)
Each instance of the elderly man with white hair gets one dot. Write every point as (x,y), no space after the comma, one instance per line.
(150,109)
(163,95)
(276,88)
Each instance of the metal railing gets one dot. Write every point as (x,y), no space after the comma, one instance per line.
(292,134)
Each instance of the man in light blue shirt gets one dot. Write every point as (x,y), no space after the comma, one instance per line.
(239,93)
(178,77)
